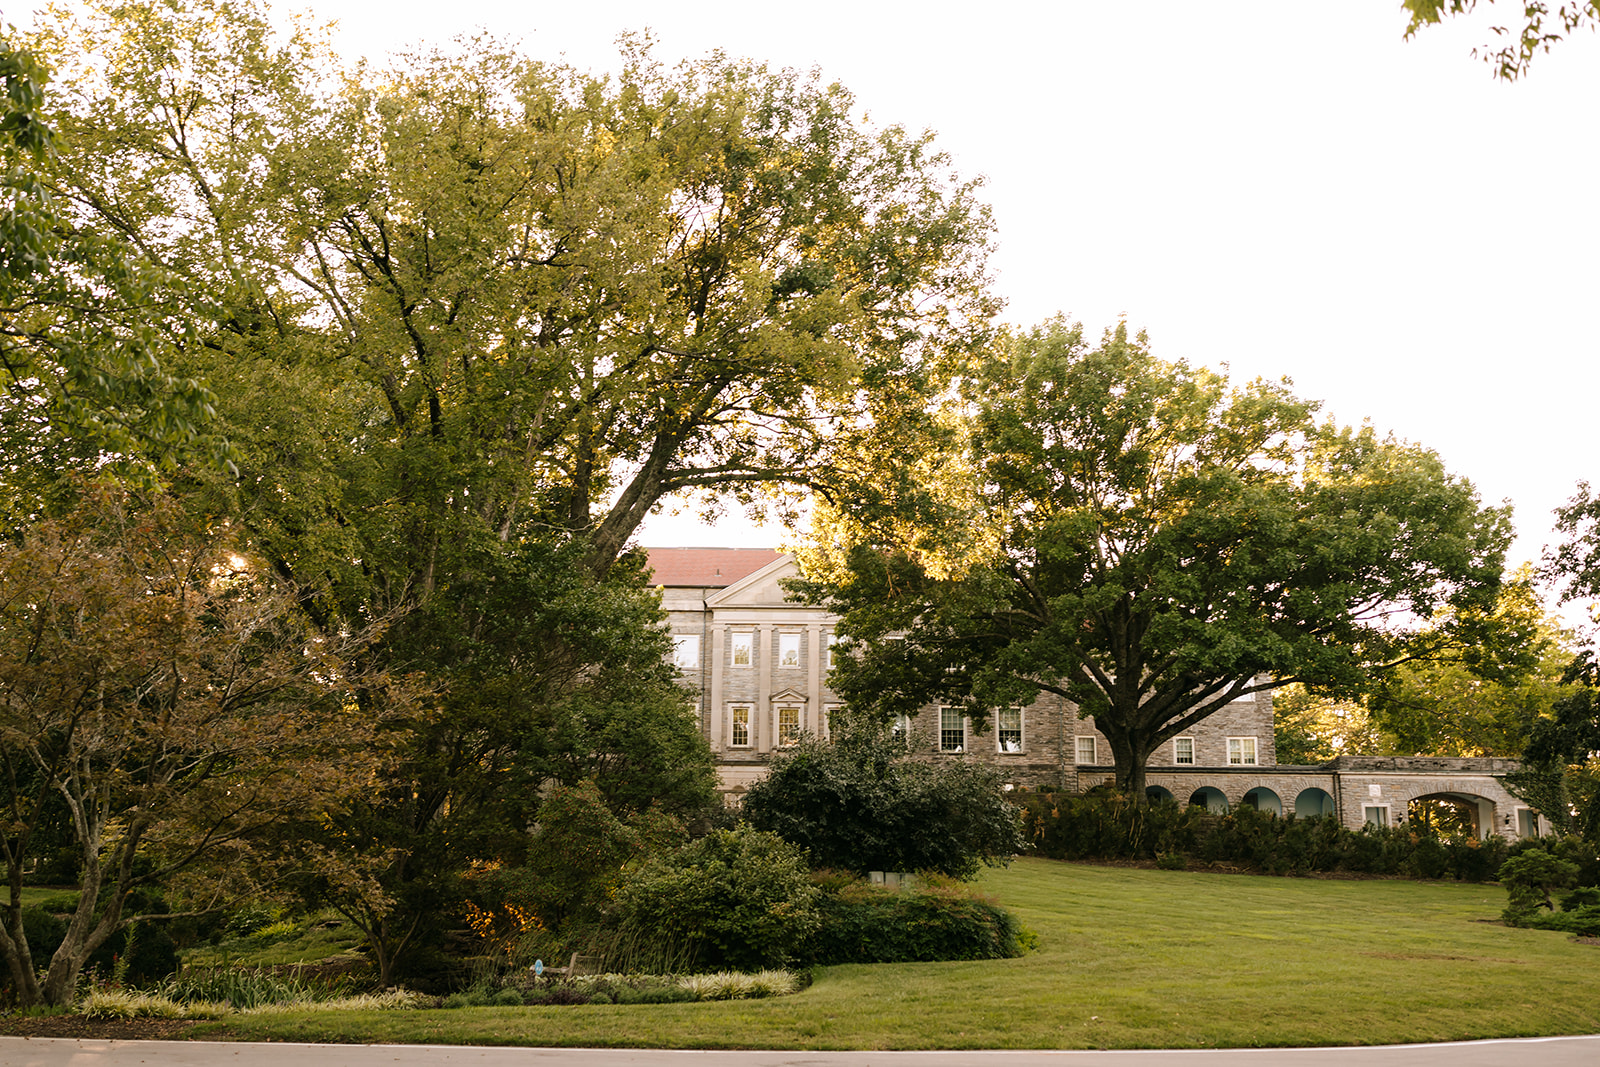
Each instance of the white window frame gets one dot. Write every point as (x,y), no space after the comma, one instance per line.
(789,640)
(1241,744)
(734,724)
(744,640)
(1093,749)
(686,651)
(1001,730)
(829,641)
(789,738)
(1177,752)
(1368,809)
(947,715)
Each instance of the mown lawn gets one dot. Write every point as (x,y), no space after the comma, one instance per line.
(1126,959)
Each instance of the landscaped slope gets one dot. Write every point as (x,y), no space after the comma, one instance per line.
(1127,958)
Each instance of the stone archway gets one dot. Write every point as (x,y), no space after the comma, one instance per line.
(1449,813)
(1210,798)
(1264,800)
(1312,803)
(1159,794)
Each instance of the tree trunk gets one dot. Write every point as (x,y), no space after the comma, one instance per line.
(1129,752)
(19,958)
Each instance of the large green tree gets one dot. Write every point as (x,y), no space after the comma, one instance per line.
(469,319)
(1166,543)
(545,296)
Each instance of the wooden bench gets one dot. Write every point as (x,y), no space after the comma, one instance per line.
(578,964)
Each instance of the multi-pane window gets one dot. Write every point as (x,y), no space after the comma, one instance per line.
(1008,729)
(1183,750)
(739,718)
(743,643)
(686,651)
(827,652)
(952,730)
(788,725)
(1242,751)
(1086,750)
(788,650)
(901,728)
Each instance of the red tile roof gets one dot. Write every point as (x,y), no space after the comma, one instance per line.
(707,567)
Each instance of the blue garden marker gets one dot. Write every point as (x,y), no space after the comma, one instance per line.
(538,968)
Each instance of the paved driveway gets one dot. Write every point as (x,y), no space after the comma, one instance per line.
(71,1052)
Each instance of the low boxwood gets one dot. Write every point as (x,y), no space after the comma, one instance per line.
(867,924)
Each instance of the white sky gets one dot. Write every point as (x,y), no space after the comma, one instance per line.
(1285,187)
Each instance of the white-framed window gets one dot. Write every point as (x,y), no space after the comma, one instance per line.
(901,728)
(952,730)
(1242,751)
(1376,814)
(828,712)
(1008,729)
(788,650)
(788,731)
(1086,753)
(739,725)
(1183,750)
(686,651)
(827,650)
(743,645)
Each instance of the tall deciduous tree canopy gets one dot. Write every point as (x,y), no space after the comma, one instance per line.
(468,319)
(492,291)
(1542,24)
(1167,543)
(77,393)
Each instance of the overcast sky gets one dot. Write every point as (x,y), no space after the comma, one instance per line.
(1287,188)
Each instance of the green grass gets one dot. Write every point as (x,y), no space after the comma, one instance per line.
(1127,959)
(34,895)
(306,942)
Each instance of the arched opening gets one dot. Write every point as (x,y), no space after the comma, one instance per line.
(1451,813)
(1158,794)
(1210,798)
(1263,799)
(1312,803)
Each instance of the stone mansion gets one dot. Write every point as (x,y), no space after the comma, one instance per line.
(758,664)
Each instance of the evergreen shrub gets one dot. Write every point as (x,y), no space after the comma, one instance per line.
(863,923)
(1113,826)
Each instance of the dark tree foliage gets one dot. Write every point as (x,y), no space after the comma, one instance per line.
(542,674)
(1561,772)
(861,804)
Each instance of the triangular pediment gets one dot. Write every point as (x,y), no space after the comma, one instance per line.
(790,695)
(760,589)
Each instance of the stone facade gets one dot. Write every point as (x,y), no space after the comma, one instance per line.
(758,665)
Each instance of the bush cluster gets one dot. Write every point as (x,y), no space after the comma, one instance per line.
(737,899)
(1114,827)
(860,803)
(1543,868)
(863,923)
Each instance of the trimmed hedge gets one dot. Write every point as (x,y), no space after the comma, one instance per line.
(1063,826)
(868,924)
